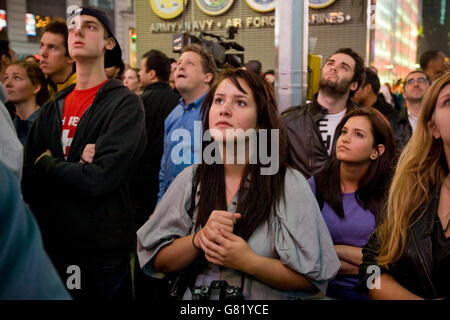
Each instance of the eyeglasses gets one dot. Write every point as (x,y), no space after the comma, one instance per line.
(418,80)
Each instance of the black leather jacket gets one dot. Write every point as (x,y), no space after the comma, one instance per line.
(415,267)
(306,151)
(401,127)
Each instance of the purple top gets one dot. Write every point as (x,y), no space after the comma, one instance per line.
(353,230)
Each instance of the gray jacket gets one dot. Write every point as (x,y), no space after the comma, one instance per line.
(11,150)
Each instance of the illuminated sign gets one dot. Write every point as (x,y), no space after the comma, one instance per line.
(214,7)
(245,23)
(318,4)
(3,23)
(328,18)
(30,24)
(210,24)
(167,9)
(261,5)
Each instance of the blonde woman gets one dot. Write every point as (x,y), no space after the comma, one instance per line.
(412,244)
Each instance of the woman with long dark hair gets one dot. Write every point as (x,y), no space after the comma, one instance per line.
(260,232)
(352,189)
(412,244)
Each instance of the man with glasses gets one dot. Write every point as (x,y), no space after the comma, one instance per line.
(404,122)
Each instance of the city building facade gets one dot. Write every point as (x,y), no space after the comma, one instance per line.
(387,41)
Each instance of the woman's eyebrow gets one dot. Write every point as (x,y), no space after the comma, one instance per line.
(234,95)
(358,129)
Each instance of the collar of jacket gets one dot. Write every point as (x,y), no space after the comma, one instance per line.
(61,85)
(318,111)
(157,85)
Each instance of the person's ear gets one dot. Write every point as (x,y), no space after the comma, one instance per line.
(5,60)
(433,129)
(37,89)
(354,86)
(110,43)
(208,78)
(152,74)
(377,152)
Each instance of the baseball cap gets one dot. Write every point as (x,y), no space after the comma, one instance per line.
(112,57)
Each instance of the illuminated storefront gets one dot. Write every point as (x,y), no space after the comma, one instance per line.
(394,46)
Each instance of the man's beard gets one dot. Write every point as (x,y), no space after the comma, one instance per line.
(335,89)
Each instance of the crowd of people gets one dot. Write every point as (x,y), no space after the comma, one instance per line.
(107,192)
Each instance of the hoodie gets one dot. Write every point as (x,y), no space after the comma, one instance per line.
(80,205)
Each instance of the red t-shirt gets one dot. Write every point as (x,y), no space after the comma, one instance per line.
(75,104)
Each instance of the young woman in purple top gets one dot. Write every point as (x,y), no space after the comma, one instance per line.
(351,191)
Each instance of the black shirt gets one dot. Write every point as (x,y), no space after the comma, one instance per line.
(24,126)
(385,108)
(159,100)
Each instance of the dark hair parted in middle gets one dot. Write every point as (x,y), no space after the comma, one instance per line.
(265,191)
(373,186)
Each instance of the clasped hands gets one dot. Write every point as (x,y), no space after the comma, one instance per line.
(220,245)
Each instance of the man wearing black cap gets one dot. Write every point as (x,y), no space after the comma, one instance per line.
(80,152)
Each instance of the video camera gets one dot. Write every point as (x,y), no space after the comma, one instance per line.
(217,290)
(216,48)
